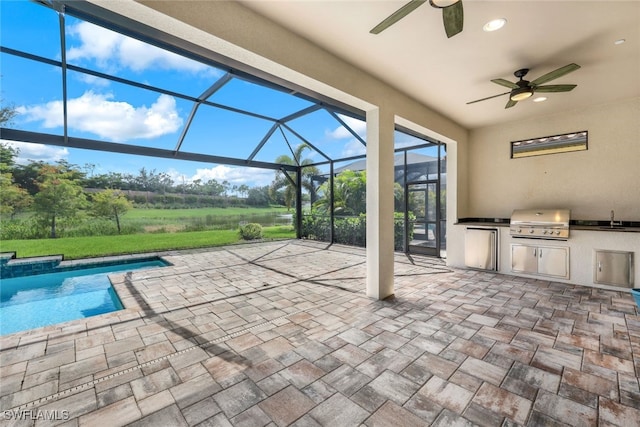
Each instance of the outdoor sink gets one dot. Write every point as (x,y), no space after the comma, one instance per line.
(615,227)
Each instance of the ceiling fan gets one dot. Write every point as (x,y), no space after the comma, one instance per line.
(523,89)
(452,15)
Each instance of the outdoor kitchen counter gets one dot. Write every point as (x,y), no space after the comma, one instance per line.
(621,226)
(624,227)
(618,228)
(586,239)
(484,222)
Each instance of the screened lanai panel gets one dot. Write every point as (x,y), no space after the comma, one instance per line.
(255,98)
(351,125)
(328,135)
(405,140)
(349,189)
(100,49)
(34,90)
(282,146)
(114,112)
(224,133)
(31,28)
(315,188)
(422,164)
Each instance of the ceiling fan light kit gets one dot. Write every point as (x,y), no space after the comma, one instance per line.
(521,93)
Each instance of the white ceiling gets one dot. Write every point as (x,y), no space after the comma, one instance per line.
(416,57)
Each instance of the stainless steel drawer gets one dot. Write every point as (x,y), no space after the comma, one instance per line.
(613,268)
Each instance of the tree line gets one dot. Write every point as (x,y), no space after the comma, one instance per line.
(63,194)
(53,192)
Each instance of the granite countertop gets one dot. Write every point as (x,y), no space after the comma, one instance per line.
(577,224)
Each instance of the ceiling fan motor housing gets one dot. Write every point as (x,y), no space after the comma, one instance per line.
(441,4)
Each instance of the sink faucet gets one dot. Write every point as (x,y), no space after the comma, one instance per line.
(612,219)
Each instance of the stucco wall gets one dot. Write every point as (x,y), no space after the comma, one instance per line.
(591,183)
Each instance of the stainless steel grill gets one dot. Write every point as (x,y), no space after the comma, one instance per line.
(540,223)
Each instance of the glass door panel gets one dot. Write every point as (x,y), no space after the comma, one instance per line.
(423,217)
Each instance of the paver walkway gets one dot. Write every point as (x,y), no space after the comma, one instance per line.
(281,333)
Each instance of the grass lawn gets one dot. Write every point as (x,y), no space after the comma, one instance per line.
(84,247)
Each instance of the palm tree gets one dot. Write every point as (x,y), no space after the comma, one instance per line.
(349,194)
(281,180)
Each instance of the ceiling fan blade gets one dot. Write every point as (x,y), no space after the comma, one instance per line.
(505,83)
(554,88)
(555,74)
(453,17)
(510,103)
(397,15)
(488,97)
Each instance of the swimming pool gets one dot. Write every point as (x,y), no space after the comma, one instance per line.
(45,299)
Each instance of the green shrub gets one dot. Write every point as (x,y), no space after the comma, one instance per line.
(22,229)
(315,227)
(191,200)
(139,200)
(102,227)
(251,231)
(349,230)
(159,199)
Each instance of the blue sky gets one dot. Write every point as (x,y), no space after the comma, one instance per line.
(110,111)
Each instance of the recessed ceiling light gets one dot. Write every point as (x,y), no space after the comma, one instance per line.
(619,41)
(540,99)
(494,25)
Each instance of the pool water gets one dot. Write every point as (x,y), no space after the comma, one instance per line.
(45,299)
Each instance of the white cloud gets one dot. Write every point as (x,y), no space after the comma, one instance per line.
(112,120)
(358,126)
(28,151)
(353,148)
(177,177)
(236,175)
(111,50)
(92,80)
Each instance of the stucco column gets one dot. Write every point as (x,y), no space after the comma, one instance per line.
(380,127)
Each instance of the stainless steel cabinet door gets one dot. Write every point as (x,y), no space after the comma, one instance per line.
(480,249)
(553,262)
(613,268)
(524,259)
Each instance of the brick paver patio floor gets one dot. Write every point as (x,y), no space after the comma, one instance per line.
(282,333)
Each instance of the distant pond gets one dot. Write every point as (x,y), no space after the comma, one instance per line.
(231,222)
